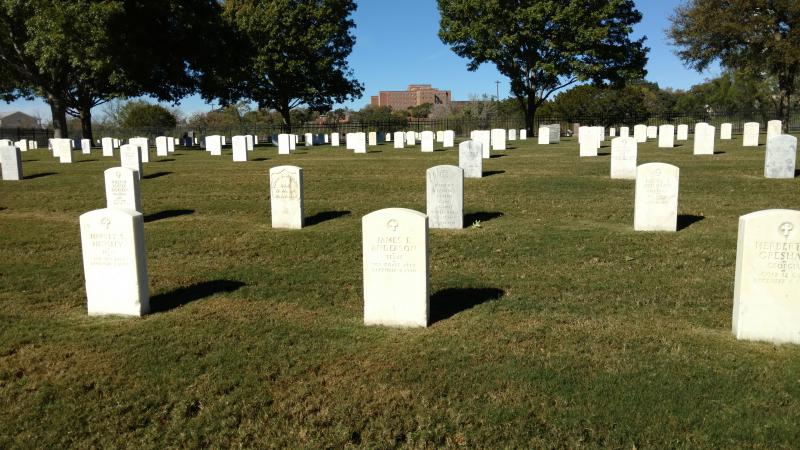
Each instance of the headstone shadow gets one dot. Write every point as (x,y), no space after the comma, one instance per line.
(165,160)
(167,214)
(182,296)
(260,159)
(38,175)
(489,173)
(449,302)
(324,216)
(687,220)
(482,216)
(156,175)
(719,153)
(497,156)
(86,160)
(797,173)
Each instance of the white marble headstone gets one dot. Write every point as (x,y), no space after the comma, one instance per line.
(544,136)
(498,136)
(239,144)
(11,160)
(485,138)
(624,132)
(86,146)
(704,135)
(470,159)
(445,197)
(162,146)
(122,189)
(114,262)
(395,251)
(108,146)
(144,147)
(512,134)
(448,138)
(399,139)
(766,295)
(523,135)
(656,207)
(640,133)
(652,132)
(666,136)
(774,128)
(780,160)
(286,197)
(130,157)
(751,134)
(284,146)
(623,158)
(726,131)
(335,139)
(214,144)
(683,132)
(411,138)
(426,141)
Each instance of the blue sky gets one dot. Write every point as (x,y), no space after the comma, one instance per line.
(397,45)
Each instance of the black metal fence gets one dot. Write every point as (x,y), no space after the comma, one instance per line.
(461,127)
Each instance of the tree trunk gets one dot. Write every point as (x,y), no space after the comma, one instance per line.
(86,121)
(530,114)
(58,108)
(287,118)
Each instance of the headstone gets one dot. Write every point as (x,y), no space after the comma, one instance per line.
(22,145)
(683,132)
(122,189)
(623,158)
(612,132)
(11,160)
(652,132)
(144,147)
(250,141)
(523,135)
(6,143)
(445,197)
(284,146)
(589,141)
(372,138)
(411,138)
(704,135)
(555,133)
(485,138)
(656,207)
(512,136)
(449,137)
(470,159)
(426,140)
(751,132)
(395,251)
(440,137)
(239,148)
(774,128)
(399,139)
(666,136)
(114,262)
(108,146)
(544,136)
(360,143)
(214,144)
(162,146)
(335,139)
(388,137)
(171,143)
(86,146)
(624,132)
(130,157)
(498,137)
(766,294)
(292,142)
(726,131)
(780,160)
(62,148)
(286,197)
(309,138)
(640,133)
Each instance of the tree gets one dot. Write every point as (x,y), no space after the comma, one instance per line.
(420,111)
(760,37)
(288,53)
(140,114)
(78,54)
(545,45)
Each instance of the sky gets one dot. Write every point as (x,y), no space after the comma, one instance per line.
(397,45)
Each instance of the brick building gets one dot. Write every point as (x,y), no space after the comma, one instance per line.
(417,94)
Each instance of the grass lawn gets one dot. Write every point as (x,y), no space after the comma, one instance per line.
(555,324)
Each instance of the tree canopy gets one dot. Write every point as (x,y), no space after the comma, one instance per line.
(288,53)
(545,45)
(759,37)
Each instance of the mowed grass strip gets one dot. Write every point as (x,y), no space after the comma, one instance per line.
(555,324)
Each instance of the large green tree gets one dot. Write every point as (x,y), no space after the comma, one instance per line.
(78,54)
(288,53)
(545,45)
(756,36)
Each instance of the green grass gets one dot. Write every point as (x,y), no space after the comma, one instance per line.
(600,337)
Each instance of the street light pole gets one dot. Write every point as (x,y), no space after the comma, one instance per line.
(498,90)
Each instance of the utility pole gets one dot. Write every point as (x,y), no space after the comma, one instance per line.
(498,90)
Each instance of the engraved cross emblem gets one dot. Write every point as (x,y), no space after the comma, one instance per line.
(392,225)
(106,222)
(786,228)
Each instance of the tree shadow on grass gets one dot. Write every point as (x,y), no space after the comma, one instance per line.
(167,214)
(489,173)
(38,175)
(324,216)
(156,175)
(182,296)
(482,216)
(449,302)
(687,220)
